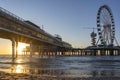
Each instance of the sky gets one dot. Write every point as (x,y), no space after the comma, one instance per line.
(68,18)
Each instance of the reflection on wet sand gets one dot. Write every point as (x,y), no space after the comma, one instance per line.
(64,73)
(73,67)
(19,69)
(37,71)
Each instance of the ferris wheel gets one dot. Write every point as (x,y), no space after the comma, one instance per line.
(105,25)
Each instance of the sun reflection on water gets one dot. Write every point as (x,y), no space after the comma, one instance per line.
(19,61)
(19,69)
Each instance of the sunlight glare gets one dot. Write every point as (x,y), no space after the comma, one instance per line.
(19,69)
(21,46)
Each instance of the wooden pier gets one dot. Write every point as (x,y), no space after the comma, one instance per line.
(89,51)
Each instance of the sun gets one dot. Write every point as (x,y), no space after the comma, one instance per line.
(21,46)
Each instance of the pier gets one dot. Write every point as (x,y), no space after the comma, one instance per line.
(89,51)
(17,30)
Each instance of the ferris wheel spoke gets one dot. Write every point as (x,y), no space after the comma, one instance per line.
(107,33)
(103,34)
(105,18)
(107,15)
(103,15)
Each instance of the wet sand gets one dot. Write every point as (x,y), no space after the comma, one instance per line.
(61,68)
(24,76)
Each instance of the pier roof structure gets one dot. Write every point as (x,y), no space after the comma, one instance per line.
(25,30)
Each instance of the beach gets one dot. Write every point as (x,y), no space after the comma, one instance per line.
(60,68)
(22,76)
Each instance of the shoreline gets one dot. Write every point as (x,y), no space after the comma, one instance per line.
(24,76)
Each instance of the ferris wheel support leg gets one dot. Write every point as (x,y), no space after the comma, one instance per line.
(97,42)
(116,42)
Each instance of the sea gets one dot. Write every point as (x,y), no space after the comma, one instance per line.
(63,66)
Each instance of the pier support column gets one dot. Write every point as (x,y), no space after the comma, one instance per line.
(39,51)
(16,49)
(49,50)
(13,49)
(31,49)
(111,52)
